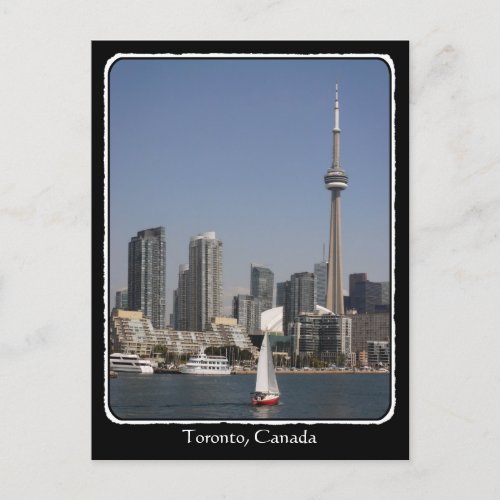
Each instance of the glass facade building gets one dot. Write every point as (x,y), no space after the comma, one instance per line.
(262,287)
(245,311)
(146,274)
(204,280)
(321,273)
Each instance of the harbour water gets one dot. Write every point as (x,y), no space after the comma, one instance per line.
(303,397)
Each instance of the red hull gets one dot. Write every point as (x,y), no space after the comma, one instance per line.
(259,402)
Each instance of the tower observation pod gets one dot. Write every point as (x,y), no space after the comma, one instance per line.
(336,181)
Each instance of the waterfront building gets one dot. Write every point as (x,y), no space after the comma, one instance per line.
(245,311)
(378,352)
(146,274)
(204,280)
(335,338)
(229,333)
(132,333)
(335,181)
(305,336)
(352,361)
(262,287)
(121,299)
(363,358)
(181,310)
(280,344)
(322,334)
(280,293)
(370,326)
(321,273)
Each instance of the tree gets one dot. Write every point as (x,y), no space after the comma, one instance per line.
(161,349)
(341,359)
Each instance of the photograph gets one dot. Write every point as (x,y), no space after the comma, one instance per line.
(249,240)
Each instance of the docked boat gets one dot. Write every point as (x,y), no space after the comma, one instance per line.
(202,364)
(266,385)
(131,363)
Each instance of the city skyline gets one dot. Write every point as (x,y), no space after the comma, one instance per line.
(195,173)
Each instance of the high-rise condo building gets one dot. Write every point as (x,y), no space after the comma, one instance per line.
(325,335)
(175,308)
(181,312)
(370,326)
(146,274)
(386,293)
(379,352)
(321,272)
(204,280)
(287,306)
(121,299)
(280,294)
(262,287)
(368,296)
(245,311)
(335,181)
(302,287)
(356,278)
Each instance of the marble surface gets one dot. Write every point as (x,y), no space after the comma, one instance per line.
(45,247)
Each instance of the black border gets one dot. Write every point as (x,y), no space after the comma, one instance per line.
(389,440)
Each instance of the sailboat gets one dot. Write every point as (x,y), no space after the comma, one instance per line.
(266,386)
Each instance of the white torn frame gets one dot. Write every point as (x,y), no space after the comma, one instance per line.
(384,57)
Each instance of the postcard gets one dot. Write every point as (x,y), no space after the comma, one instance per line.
(250,250)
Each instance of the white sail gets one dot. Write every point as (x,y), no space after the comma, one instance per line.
(266,377)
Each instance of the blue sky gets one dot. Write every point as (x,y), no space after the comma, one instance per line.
(240,147)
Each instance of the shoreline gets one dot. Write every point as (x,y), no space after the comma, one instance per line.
(286,372)
(312,372)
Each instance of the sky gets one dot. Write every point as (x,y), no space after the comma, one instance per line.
(241,147)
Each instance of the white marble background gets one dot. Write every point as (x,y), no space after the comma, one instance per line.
(45,248)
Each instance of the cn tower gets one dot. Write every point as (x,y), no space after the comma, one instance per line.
(335,181)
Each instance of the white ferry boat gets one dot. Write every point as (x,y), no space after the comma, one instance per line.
(129,363)
(201,364)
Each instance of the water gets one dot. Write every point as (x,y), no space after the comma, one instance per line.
(303,396)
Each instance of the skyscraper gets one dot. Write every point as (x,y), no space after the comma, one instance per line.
(146,274)
(321,273)
(204,280)
(335,181)
(368,296)
(280,293)
(353,279)
(181,312)
(175,308)
(301,295)
(262,287)
(386,292)
(245,311)
(316,333)
(287,306)
(121,299)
